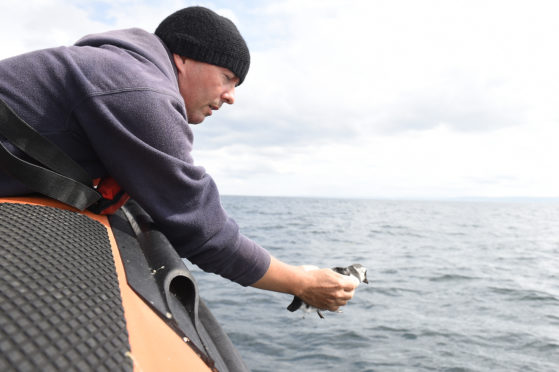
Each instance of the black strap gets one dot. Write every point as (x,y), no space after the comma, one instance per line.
(61,178)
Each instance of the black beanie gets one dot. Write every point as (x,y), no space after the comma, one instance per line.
(201,34)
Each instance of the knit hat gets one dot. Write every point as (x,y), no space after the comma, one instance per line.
(201,34)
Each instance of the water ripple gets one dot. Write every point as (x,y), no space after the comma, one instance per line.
(451,278)
(456,287)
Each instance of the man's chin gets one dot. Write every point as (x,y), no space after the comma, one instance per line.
(196,120)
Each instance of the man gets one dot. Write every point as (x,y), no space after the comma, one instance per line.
(118,103)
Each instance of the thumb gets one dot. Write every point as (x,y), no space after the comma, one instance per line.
(351,279)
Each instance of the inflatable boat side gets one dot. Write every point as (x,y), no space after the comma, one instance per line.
(81,291)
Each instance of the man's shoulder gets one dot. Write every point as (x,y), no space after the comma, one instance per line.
(135,39)
(126,59)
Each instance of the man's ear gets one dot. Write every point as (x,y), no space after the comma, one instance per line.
(180,62)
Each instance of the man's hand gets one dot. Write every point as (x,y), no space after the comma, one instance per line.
(320,288)
(327,290)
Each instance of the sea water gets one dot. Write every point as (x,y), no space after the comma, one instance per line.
(453,286)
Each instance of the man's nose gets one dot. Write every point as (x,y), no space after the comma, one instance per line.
(229,96)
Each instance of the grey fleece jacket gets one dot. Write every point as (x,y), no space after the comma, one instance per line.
(112,103)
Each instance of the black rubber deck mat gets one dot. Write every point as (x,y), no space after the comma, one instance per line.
(60,305)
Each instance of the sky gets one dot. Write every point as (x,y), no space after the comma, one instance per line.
(361,99)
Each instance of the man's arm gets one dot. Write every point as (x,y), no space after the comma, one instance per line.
(323,289)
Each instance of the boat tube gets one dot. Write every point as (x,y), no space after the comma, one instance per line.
(80,291)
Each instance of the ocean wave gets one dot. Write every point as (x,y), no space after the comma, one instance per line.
(449,287)
(530,295)
(451,278)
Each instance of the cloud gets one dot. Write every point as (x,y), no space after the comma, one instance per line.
(437,162)
(365,98)
(34,25)
(330,71)
(324,72)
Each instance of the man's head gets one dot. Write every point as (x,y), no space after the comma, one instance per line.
(211,58)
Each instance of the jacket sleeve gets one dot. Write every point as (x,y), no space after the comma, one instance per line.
(143,140)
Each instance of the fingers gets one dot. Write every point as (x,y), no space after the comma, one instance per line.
(345,296)
(348,295)
(333,304)
(349,284)
(338,303)
(341,298)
